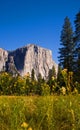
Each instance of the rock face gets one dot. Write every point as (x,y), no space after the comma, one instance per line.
(29,57)
(3,59)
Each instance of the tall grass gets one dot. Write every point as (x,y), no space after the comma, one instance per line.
(40,113)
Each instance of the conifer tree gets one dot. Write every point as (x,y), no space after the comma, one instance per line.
(66,52)
(32,75)
(60,80)
(77,42)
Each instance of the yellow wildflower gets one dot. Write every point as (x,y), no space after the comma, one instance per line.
(29,128)
(73,116)
(63,90)
(70,103)
(24,125)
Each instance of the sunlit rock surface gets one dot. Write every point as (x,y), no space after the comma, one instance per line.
(23,60)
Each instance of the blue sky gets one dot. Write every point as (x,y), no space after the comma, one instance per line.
(34,21)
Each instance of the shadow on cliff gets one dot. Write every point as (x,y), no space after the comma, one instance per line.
(16,60)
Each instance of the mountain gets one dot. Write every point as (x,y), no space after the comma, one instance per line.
(23,60)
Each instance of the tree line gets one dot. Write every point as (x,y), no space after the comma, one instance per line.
(69,52)
(26,85)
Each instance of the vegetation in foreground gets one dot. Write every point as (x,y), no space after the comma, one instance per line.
(40,113)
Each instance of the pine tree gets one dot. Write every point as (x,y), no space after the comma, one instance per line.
(66,52)
(60,80)
(32,75)
(77,41)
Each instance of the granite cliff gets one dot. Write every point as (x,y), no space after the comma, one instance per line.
(3,59)
(23,60)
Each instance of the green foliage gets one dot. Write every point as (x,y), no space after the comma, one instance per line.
(66,58)
(60,79)
(77,87)
(32,75)
(65,81)
(68,79)
(77,49)
(10,85)
(5,83)
(45,89)
(52,82)
(69,53)
(52,73)
(40,113)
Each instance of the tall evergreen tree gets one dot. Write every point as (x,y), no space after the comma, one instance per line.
(32,75)
(77,41)
(60,80)
(66,52)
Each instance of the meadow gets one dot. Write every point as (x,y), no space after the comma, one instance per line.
(40,112)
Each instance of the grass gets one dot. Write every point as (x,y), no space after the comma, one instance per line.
(40,113)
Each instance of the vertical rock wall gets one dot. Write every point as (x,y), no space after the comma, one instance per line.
(27,58)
